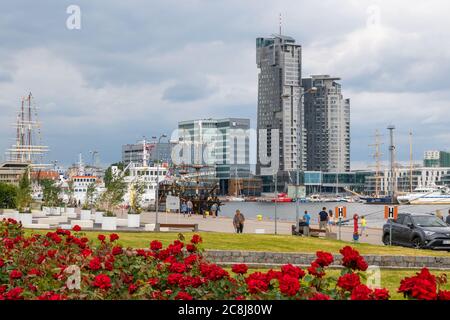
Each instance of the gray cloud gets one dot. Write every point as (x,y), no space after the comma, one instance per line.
(138,67)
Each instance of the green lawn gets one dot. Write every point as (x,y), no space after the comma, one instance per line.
(261,242)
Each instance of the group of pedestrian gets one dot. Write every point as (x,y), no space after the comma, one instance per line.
(326,219)
(187,208)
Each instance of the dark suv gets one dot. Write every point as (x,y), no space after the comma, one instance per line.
(418,231)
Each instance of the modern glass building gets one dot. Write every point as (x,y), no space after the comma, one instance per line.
(223,145)
(436,159)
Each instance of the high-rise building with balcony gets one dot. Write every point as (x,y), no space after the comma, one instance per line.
(327,118)
(280,108)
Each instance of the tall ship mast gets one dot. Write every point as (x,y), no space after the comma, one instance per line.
(28,146)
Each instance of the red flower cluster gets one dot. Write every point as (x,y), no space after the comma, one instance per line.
(102,281)
(349,281)
(352,259)
(239,268)
(421,287)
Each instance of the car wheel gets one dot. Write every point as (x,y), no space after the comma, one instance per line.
(417,243)
(386,239)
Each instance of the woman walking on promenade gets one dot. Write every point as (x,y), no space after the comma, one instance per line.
(238,221)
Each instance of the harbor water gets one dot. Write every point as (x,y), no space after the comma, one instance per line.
(286,211)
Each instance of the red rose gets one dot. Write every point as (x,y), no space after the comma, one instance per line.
(113,237)
(316,270)
(153,281)
(101,237)
(102,281)
(190,260)
(443,295)
(349,281)
(141,253)
(34,272)
(361,292)
(324,259)
(319,296)
(95,264)
(76,228)
(15,274)
(213,272)
(50,295)
(293,271)
(352,259)
(257,282)
(380,294)
(177,267)
(196,239)
(86,252)
(183,296)
(132,288)
(155,245)
(14,294)
(191,248)
(239,268)
(421,287)
(289,285)
(117,250)
(51,253)
(174,278)
(2,262)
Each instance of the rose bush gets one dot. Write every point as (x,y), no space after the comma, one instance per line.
(42,267)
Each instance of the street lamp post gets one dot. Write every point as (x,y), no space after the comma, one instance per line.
(297,202)
(157,182)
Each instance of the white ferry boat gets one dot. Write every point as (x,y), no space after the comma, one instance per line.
(426,195)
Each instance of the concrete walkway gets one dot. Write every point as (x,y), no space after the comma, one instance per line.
(225,224)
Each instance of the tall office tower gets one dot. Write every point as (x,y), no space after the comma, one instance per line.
(327,118)
(280,106)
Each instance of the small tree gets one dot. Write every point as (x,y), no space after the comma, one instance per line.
(8,195)
(70,192)
(23,198)
(113,195)
(51,193)
(136,192)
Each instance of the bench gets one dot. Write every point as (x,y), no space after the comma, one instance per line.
(312,231)
(191,226)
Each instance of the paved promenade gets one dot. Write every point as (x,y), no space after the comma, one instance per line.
(224,224)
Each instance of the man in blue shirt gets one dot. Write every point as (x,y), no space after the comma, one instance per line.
(306,219)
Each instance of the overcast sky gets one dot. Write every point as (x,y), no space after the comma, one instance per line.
(138,67)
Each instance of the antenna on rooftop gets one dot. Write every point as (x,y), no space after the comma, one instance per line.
(280,23)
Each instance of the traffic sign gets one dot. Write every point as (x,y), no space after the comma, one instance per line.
(341,212)
(390,212)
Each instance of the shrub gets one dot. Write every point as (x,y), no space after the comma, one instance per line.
(109,271)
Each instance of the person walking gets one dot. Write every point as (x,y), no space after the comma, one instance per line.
(214,210)
(447,220)
(363,226)
(330,220)
(323,219)
(238,221)
(439,215)
(184,208)
(306,220)
(190,207)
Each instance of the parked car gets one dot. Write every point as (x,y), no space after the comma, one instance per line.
(418,231)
